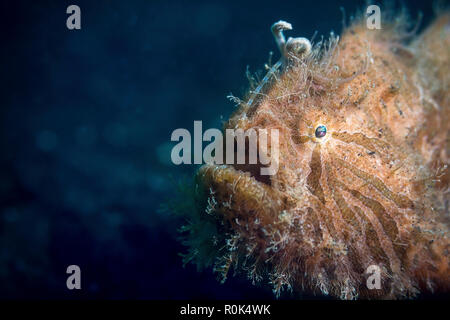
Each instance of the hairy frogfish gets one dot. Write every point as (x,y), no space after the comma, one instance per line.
(363,126)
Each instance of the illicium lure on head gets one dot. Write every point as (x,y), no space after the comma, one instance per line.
(363,125)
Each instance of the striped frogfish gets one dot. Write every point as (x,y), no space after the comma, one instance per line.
(362,182)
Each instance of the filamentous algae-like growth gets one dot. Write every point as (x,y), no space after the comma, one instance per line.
(363,123)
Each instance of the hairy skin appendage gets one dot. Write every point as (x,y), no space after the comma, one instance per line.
(363,122)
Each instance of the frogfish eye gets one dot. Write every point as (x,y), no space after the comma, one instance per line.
(321,131)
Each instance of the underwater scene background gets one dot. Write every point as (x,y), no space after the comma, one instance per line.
(86,121)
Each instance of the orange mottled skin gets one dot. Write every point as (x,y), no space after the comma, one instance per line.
(373,191)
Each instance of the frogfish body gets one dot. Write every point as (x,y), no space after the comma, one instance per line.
(362,177)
